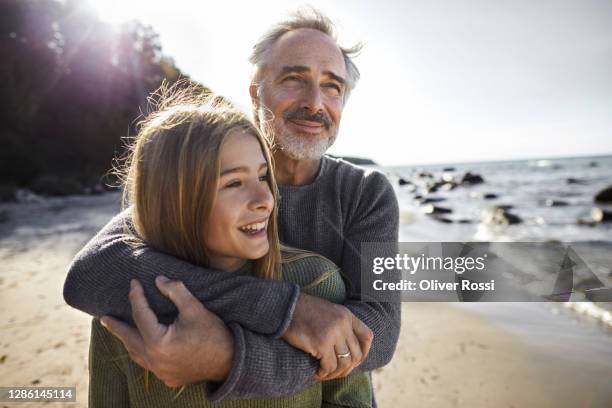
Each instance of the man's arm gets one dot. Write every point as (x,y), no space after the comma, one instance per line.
(264,367)
(98,283)
(376,219)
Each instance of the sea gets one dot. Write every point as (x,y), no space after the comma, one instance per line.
(528,186)
(552,197)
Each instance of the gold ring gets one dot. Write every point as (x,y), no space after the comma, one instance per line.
(344,355)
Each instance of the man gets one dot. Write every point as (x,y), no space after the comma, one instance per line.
(301,82)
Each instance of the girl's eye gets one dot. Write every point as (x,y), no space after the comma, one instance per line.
(233,184)
(263,178)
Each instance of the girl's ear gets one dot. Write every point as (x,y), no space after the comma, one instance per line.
(253,93)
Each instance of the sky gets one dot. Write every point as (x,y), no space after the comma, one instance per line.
(441,81)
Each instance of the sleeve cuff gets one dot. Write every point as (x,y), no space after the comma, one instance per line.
(220,391)
(289,316)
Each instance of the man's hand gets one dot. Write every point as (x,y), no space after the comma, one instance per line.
(196,347)
(325,330)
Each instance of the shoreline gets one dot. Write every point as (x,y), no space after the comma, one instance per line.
(448,354)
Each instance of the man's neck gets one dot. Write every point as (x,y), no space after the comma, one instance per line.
(291,172)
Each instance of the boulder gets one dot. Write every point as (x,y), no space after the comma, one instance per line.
(448,186)
(604,196)
(499,216)
(442,219)
(573,180)
(483,196)
(471,179)
(403,181)
(428,200)
(554,203)
(598,215)
(431,209)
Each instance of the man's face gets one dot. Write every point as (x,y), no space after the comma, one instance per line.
(303,86)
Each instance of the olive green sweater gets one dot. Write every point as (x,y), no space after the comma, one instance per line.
(116,381)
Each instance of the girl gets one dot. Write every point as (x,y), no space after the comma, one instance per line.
(201,187)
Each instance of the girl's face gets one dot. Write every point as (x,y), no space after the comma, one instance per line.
(237,228)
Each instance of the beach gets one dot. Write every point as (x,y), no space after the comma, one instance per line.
(449,355)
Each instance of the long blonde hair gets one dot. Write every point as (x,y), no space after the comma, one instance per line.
(171,174)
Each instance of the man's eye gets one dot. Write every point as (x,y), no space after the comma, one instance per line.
(334,87)
(263,178)
(293,78)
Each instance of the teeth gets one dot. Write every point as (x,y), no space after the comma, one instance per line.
(254,227)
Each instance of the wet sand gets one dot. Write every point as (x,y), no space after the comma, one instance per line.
(449,355)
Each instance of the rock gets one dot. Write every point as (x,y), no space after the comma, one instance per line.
(464,221)
(428,200)
(598,215)
(586,221)
(403,182)
(499,216)
(604,196)
(425,174)
(442,219)
(505,206)
(593,164)
(448,186)
(431,209)
(554,203)
(572,180)
(434,187)
(448,178)
(471,179)
(483,196)
(448,169)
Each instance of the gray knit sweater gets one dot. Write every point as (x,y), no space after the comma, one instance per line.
(343,207)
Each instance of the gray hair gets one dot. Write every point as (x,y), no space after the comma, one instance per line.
(304,18)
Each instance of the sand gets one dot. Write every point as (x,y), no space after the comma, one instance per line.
(448,355)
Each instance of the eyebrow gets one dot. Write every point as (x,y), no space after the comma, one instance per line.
(303,69)
(241,169)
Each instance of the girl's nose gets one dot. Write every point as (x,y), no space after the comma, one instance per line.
(262,198)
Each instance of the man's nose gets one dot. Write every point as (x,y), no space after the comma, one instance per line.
(313,98)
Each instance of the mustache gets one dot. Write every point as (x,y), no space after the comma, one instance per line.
(304,114)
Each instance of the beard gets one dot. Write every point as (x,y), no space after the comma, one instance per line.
(302,147)
(295,145)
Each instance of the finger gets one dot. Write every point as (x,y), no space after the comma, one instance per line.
(131,339)
(364,336)
(146,321)
(329,362)
(176,291)
(344,363)
(356,354)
